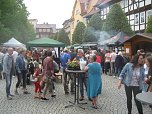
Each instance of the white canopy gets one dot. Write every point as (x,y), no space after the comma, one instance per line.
(13,43)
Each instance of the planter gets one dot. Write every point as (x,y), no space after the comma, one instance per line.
(73,68)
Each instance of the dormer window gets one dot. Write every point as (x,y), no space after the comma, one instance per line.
(77,12)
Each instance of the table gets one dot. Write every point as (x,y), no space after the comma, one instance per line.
(145,97)
(76,82)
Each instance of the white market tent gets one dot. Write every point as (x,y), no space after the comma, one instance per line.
(13,43)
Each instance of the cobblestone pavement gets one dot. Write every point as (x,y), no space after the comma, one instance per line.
(112,101)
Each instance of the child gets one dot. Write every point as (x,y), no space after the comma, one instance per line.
(37,82)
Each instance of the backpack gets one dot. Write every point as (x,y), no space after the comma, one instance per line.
(126,60)
(56,67)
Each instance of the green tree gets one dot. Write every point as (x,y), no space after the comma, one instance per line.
(149,25)
(96,22)
(14,18)
(78,33)
(63,37)
(55,36)
(90,35)
(117,21)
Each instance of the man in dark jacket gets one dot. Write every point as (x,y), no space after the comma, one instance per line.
(21,71)
(119,63)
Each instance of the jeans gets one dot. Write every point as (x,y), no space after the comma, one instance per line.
(118,71)
(112,66)
(71,79)
(48,85)
(82,80)
(65,83)
(135,90)
(8,78)
(21,76)
(107,67)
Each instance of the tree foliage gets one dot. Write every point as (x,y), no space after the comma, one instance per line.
(55,36)
(117,21)
(96,22)
(149,25)
(14,22)
(63,37)
(78,33)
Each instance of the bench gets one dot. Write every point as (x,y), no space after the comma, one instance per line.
(58,76)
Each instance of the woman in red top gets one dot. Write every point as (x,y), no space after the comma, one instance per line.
(98,57)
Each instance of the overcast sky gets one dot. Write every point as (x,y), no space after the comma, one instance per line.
(51,11)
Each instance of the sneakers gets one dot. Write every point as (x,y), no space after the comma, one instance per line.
(44,99)
(95,107)
(81,98)
(53,96)
(11,95)
(25,92)
(66,92)
(16,92)
(9,98)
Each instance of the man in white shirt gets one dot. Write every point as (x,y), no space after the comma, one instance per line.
(112,62)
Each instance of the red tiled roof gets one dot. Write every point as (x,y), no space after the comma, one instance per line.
(93,11)
(105,1)
(99,2)
(82,1)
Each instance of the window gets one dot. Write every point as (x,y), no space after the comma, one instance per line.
(132,27)
(126,9)
(142,17)
(141,4)
(40,30)
(132,17)
(48,30)
(130,2)
(126,3)
(108,9)
(131,7)
(102,17)
(147,2)
(122,4)
(148,13)
(136,19)
(142,26)
(105,11)
(136,28)
(101,12)
(44,30)
(136,5)
(131,22)
(77,12)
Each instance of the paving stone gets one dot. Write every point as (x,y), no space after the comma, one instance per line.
(112,101)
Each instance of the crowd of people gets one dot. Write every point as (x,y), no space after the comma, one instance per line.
(135,73)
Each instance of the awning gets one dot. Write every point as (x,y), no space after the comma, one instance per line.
(45,42)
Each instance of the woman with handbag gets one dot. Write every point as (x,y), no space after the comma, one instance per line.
(132,75)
